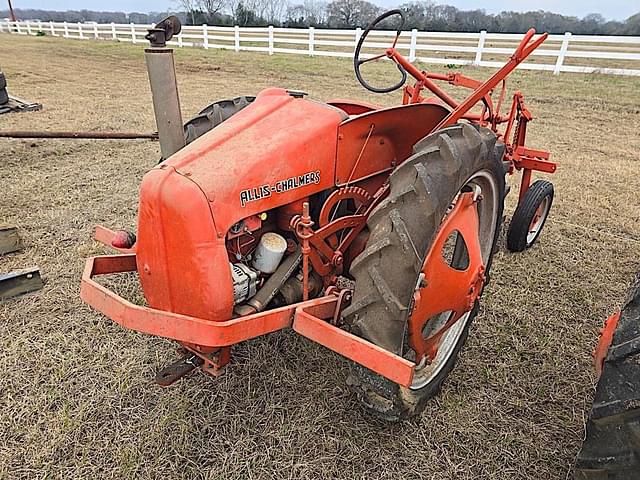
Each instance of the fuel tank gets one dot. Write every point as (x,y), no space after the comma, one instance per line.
(277,150)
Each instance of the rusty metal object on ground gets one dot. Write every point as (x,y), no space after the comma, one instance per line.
(16,104)
(178,369)
(10,103)
(10,241)
(20,282)
(78,135)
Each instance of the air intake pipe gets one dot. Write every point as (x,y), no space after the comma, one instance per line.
(164,88)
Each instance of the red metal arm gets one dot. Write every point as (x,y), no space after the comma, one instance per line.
(521,53)
(482,90)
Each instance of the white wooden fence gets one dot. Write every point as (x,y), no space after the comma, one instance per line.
(560,53)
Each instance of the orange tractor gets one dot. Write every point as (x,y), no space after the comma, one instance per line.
(368,230)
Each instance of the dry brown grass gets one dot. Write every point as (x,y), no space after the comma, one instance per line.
(76,398)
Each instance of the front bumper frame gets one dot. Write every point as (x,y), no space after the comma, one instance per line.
(309,319)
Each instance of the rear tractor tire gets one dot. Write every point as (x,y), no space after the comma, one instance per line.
(213,115)
(402,229)
(611,450)
(530,216)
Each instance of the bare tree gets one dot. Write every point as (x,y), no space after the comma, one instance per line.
(307,14)
(422,15)
(190,7)
(350,13)
(274,10)
(316,10)
(210,7)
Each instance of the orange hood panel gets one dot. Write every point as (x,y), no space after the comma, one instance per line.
(273,152)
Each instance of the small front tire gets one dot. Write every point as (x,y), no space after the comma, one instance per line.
(530,216)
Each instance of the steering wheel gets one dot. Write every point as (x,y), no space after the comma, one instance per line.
(356,57)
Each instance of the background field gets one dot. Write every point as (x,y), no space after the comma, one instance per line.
(76,397)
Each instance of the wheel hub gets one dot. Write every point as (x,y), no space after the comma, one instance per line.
(447,289)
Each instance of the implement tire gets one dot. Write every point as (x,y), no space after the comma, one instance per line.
(530,216)
(402,229)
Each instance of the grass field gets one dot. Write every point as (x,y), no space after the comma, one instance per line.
(76,396)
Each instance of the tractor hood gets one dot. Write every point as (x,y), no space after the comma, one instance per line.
(273,152)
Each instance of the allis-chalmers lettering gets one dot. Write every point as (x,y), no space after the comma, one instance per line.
(281,186)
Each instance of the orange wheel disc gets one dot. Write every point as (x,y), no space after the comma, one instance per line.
(452,277)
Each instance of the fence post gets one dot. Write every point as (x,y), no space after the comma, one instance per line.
(66,29)
(95,30)
(17,25)
(2,28)
(483,34)
(80,34)
(53,31)
(39,26)
(311,40)
(113,31)
(28,27)
(205,36)
(562,53)
(412,46)
(180,40)
(358,35)
(133,32)
(236,38)
(270,39)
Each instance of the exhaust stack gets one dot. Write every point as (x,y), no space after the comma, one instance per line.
(164,88)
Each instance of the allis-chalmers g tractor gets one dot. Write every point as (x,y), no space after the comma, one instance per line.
(368,230)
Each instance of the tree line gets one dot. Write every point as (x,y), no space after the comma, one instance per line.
(421,15)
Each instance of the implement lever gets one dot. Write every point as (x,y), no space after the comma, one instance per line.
(521,53)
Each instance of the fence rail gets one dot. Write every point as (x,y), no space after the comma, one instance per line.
(560,53)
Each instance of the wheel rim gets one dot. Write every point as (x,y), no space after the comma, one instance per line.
(485,184)
(537,222)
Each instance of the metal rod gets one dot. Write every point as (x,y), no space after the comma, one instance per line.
(306,224)
(166,101)
(12,15)
(78,135)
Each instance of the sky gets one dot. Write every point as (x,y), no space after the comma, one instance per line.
(610,9)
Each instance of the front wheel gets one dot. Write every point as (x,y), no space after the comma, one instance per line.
(414,280)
